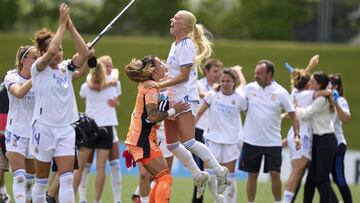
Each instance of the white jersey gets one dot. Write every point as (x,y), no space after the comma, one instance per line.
(97,106)
(224,116)
(303,99)
(182,54)
(20,110)
(204,120)
(337,122)
(263,123)
(55,103)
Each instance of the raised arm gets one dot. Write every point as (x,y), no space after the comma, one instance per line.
(55,44)
(83,51)
(314,61)
(242,80)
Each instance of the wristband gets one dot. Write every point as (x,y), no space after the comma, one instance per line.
(171,112)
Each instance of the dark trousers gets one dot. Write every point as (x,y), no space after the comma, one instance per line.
(323,155)
(198,137)
(338,173)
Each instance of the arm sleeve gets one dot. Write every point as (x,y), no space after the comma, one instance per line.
(33,69)
(315,107)
(82,92)
(187,53)
(344,105)
(209,97)
(151,96)
(9,80)
(287,102)
(118,88)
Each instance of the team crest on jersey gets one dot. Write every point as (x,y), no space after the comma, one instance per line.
(233,102)
(61,80)
(273,97)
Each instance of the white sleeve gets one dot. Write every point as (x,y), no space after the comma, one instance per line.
(82,92)
(317,106)
(243,103)
(118,88)
(187,53)
(286,102)
(344,105)
(33,69)
(9,80)
(209,97)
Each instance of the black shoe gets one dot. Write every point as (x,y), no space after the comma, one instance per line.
(50,199)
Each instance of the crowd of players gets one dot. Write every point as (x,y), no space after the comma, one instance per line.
(175,114)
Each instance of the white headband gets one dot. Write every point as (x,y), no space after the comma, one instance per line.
(26,52)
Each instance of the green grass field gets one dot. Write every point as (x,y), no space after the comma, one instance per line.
(181,191)
(333,58)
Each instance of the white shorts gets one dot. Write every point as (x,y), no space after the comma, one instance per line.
(15,143)
(194,105)
(48,142)
(224,153)
(162,143)
(306,146)
(115,137)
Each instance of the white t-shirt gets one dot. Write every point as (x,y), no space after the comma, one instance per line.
(55,103)
(337,122)
(263,123)
(97,106)
(20,110)
(182,54)
(204,120)
(224,117)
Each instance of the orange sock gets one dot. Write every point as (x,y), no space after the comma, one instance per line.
(160,193)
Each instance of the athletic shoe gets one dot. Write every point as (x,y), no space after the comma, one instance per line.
(5,198)
(222,180)
(135,198)
(50,199)
(219,199)
(201,184)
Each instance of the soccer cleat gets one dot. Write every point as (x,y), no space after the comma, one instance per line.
(201,184)
(222,180)
(219,199)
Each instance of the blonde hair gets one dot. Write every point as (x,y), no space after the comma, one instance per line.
(140,70)
(22,53)
(98,75)
(197,32)
(299,78)
(103,58)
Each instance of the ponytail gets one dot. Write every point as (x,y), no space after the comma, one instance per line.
(203,44)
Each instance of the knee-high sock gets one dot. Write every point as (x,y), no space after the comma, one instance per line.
(39,192)
(185,157)
(83,183)
(29,186)
(115,176)
(230,192)
(66,191)
(19,180)
(160,193)
(200,150)
(212,183)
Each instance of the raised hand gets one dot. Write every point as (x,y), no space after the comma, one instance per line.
(64,11)
(314,60)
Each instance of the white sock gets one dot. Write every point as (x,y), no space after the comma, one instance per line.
(230,192)
(19,185)
(39,193)
(288,196)
(115,176)
(212,183)
(29,185)
(3,190)
(137,191)
(66,191)
(185,157)
(83,183)
(278,201)
(144,199)
(200,150)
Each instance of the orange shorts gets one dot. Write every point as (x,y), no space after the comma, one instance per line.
(138,152)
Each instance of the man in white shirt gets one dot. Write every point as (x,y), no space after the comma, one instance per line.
(262,137)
